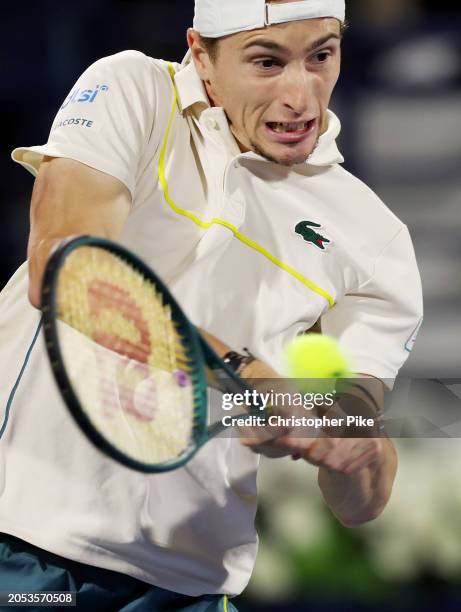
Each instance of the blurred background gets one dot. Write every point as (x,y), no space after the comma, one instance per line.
(399,100)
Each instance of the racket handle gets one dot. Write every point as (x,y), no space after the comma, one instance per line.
(215,429)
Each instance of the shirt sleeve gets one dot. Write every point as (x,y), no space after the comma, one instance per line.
(106,120)
(377,324)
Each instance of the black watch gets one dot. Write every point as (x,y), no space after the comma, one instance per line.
(238,362)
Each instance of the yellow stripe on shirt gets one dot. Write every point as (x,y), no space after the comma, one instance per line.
(217,221)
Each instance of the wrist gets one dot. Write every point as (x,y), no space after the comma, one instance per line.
(238,362)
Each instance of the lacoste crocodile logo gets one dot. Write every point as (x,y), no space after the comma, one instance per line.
(304,229)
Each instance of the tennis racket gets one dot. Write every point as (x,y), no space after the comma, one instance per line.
(131,368)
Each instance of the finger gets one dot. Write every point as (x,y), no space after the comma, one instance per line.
(320,449)
(346,453)
(295,443)
(279,447)
(363,446)
(337,453)
(355,456)
(360,463)
(269,450)
(363,461)
(251,435)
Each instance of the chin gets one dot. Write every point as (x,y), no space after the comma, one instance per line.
(290,160)
(284,159)
(285,155)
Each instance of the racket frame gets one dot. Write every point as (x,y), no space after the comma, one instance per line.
(197,350)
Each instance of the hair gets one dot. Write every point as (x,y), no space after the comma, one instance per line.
(212,44)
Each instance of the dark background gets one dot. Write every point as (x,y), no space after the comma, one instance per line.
(399,100)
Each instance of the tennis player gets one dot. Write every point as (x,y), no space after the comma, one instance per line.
(223,174)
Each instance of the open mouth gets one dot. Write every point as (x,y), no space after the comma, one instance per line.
(290,132)
(281,128)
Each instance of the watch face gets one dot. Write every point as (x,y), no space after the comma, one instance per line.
(233,360)
(238,362)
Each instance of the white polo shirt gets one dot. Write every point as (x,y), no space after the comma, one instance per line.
(255,253)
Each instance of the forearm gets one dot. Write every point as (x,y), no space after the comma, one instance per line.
(360,497)
(216,344)
(70,199)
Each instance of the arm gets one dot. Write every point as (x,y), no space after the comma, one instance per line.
(376,325)
(70,198)
(356,474)
(361,496)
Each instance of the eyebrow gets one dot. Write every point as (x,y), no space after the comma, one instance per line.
(273,46)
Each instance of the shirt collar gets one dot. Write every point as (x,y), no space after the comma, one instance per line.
(327,152)
(189,85)
(191,91)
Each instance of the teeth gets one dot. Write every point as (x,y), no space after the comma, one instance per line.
(289,127)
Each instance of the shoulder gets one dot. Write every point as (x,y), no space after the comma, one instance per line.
(365,200)
(134,68)
(361,212)
(128,86)
(133,60)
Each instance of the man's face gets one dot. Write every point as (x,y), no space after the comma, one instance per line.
(275,85)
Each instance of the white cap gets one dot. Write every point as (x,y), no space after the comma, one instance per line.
(215,18)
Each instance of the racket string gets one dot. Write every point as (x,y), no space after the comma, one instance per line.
(124,352)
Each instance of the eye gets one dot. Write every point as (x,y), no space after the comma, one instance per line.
(266,63)
(322,56)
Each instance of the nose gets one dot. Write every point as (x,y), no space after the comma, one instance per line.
(296,90)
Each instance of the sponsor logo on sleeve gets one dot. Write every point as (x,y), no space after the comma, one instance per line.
(412,339)
(84,96)
(73,121)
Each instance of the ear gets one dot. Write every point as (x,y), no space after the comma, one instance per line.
(200,56)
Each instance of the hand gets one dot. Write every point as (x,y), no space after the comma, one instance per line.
(267,382)
(341,455)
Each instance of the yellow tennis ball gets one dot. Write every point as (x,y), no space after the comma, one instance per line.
(314,358)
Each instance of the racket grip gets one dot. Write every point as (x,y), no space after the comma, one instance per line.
(215,429)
